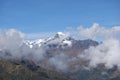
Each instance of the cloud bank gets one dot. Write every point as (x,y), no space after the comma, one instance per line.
(96,31)
(107,52)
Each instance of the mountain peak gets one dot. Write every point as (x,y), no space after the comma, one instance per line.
(59,34)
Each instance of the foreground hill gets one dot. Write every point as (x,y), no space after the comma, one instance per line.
(10,70)
(27,70)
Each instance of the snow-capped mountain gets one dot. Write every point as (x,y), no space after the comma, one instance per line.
(33,43)
(59,40)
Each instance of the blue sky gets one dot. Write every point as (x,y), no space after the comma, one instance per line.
(32,16)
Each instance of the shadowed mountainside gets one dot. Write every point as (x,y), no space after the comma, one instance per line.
(15,70)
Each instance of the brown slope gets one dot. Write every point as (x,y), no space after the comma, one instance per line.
(17,71)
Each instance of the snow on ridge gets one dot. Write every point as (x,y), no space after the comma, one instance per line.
(60,39)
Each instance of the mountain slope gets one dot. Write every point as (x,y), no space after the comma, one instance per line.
(10,70)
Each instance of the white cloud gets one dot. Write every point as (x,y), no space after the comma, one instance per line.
(96,31)
(60,61)
(107,53)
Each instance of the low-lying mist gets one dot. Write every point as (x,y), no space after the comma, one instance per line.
(107,52)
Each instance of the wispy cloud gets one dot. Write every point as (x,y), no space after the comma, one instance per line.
(39,35)
(96,31)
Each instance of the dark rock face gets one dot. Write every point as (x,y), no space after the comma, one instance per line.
(84,44)
(78,46)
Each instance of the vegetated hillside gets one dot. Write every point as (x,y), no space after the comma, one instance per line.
(99,73)
(27,70)
(16,70)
